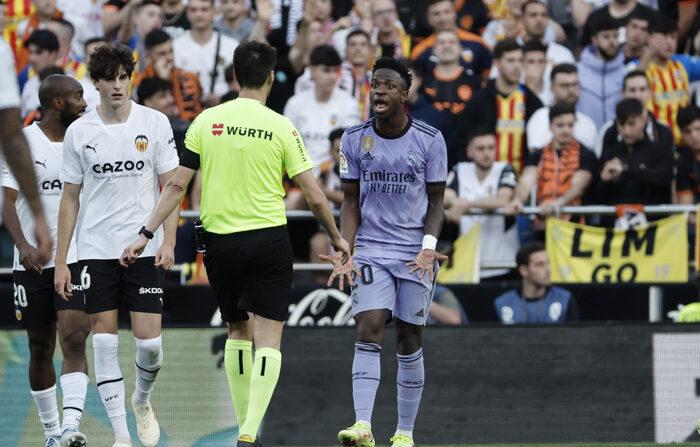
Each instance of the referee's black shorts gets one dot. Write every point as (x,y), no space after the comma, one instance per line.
(251,271)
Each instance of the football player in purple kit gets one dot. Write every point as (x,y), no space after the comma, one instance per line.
(393,170)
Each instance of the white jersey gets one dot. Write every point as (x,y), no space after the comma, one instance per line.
(315,120)
(496,242)
(539,135)
(47,157)
(118,166)
(191,56)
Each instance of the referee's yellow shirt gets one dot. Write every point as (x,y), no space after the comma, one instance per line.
(244,149)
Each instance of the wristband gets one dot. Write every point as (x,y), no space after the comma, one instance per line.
(145,232)
(429,242)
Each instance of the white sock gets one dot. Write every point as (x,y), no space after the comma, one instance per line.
(149,357)
(110,382)
(74,387)
(48,410)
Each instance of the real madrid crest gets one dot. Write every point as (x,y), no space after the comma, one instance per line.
(367,143)
(141,142)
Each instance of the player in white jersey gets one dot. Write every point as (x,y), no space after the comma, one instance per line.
(37,307)
(16,152)
(118,153)
(485,184)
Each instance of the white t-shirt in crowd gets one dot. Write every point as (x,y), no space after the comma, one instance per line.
(47,158)
(315,120)
(86,18)
(191,56)
(539,135)
(118,166)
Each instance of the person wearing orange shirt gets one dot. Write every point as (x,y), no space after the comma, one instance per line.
(43,12)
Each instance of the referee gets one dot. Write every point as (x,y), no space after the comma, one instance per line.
(244,148)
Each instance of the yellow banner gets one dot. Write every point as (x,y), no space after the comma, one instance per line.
(463,267)
(656,253)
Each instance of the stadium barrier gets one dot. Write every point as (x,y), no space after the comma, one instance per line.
(584,383)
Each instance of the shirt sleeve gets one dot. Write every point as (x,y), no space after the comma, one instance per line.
(166,157)
(7,179)
(192,136)
(508,178)
(349,164)
(684,173)
(692,66)
(72,170)
(436,166)
(533,158)
(296,157)
(453,181)
(587,161)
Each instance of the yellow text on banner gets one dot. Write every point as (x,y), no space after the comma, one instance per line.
(463,267)
(656,253)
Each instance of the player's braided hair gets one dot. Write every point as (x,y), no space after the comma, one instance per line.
(390,63)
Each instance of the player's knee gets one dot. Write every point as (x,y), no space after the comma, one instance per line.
(73,342)
(41,349)
(151,348)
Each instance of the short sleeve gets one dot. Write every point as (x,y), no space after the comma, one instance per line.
(192,137)
(684,171)
(533,158)
(72,170)
(508,178)
(588,161)
(7,179)
(296,157)
(166,155)
(453,181)
(436,166)
(349,164)
(9,93)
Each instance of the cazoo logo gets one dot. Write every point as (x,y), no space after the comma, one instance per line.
(118,166)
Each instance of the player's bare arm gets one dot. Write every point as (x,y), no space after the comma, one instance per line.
(67,217)
(28,254)
(171,195)
(425,260)
(165,256)
(349,221)
(16,151)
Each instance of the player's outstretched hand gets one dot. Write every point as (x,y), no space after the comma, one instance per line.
(341,269)
(425,262)
(44,243)
(132,252)
(165,256)
(28,256)
(61,281)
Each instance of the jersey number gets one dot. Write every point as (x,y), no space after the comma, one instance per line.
(85,278)
(367,276)
(20,296)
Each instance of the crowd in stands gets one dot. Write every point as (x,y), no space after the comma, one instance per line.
(547,102)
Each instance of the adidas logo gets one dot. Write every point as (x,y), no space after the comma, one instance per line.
(420,313)
(367,156)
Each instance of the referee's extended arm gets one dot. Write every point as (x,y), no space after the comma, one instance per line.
(170,197)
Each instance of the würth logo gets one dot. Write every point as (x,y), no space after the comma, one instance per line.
(217,129)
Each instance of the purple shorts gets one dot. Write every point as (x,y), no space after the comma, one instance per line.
(386,284)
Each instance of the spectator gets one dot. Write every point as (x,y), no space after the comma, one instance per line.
(619,11)
(204,51)
(45,10)
(534,66)
(476,57)
(388,36)
(448,86)
(332,187)
(37,114)
(635,85)
(669,74)
(472,15)
(560,173)
(688,163)
(283,23)
(565,89)
(42,47)
(113,14)
(516,25)
(10,18)
(637,36)
(536,23)
(503,105)
(537,301)
(175,21)
(355,74)
(445,308)
(485,184)
(144,18)
(418,107)
(67,58)
(156,93)
(234,21)
(681,12)
(86,18)
(234,88)
(316,112)
(635,170)
(186,91)
(602,65)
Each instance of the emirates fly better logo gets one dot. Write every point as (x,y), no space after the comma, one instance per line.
(217,129)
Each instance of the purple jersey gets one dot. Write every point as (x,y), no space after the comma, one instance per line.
(393,174)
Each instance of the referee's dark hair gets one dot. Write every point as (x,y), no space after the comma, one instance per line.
(389,63)
(108,59)
(252,63)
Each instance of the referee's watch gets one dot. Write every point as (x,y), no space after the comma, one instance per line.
(145,232)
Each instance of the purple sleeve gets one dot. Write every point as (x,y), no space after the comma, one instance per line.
(348,165)
(436,166)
